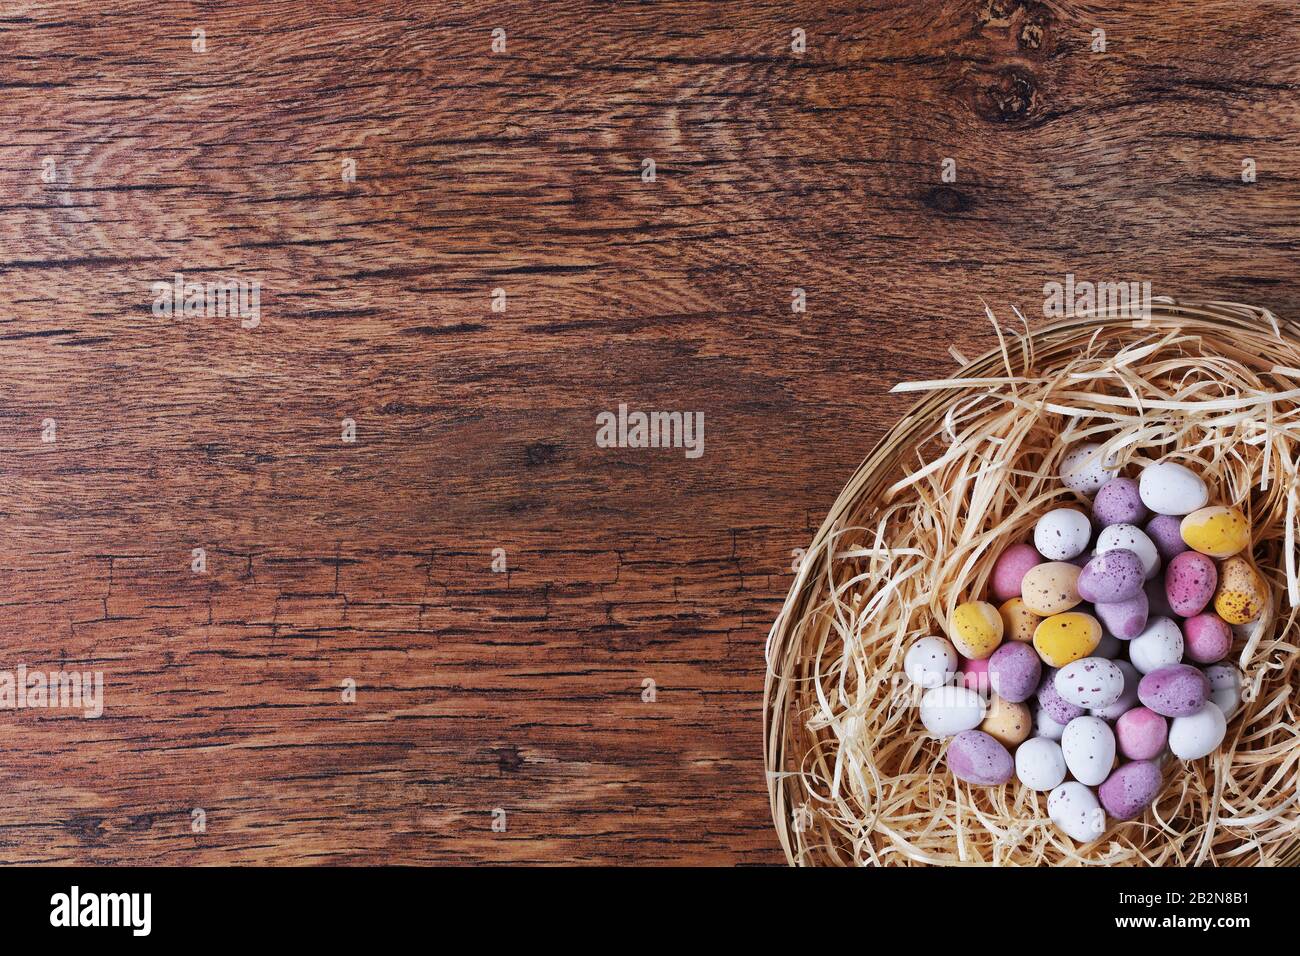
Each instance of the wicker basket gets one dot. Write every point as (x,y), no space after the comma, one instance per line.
(1253,337)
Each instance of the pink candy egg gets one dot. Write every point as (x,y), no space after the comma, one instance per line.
(1010,569)
(1141,733)
(1207,638)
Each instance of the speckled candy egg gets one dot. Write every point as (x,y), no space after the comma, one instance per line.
(930,662)
(1159,645)
(1090,682)
(1044,725)
(1169,488)
(1018,622)
(974,675)
(975,628)
(1010,568)
(1207,638)
(976,757)
(1051,588)
(1191,738)
(1067,637)
(1007,722)
(1128,698)
(1130,789)
(1062,533)
(1085,470)
(1141,733)
(1241,596)
(949,710)
(1178,690)
(1166,533)
(1089,747)
(1190,580)
(1225,688)
(1118,502)
(1053,705)
(1015,671)
(1124,619)
(1075,810)
(1111,577)
(1131,538)
(1040,765)
(1218,531)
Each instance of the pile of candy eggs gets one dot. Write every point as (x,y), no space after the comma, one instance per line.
(1100,651)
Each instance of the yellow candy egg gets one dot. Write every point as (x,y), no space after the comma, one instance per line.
(1018,622)
(1217,531)
(1242,594)
(1008,723)
(1051,588)
(1063,638)
(975,628)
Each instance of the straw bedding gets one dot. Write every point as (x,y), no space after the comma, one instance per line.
(853,777)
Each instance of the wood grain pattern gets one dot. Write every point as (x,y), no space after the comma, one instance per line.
(521,171)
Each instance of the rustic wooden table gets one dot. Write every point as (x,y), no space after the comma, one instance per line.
(135,149)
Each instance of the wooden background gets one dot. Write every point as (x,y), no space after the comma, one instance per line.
(372,561)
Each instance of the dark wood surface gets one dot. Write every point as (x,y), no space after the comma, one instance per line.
(476,429)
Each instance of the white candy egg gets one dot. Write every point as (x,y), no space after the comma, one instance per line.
(1084,470)
(1090,682)
(1127,700)
(1089,748)
(930,662)
(1168,488)
(1225,688)
(1191,738)
(947,711)
(1062,534)
(1075,809)
(1131,538)
(1160,645)
(1045,726)
(1040,765)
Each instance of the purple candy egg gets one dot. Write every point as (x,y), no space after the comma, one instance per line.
(976,757)
(1118,502)
(1178,690)
(1141,733)
(1125,619)
(1207,638)
(1052,703)
(1130,789)
(1190,581)
(1166,533)
(1111,577)
(1014,671)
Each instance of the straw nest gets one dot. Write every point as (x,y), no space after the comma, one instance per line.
(853,777)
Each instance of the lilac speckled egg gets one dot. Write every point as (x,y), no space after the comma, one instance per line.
(1124,619)
(1207,638)
(1130,789)
(976,757)
(1009,570)
(1178,690)
(974,675)
(1112,577)
(1157,600)
(1052,703)
(1014,671)
(1165,532)
(1141,733)
(1190,581)
(1118,502)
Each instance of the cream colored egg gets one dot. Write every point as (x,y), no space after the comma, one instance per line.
(1007,722)
(1018,622)
(1051,588)
(1242,594)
